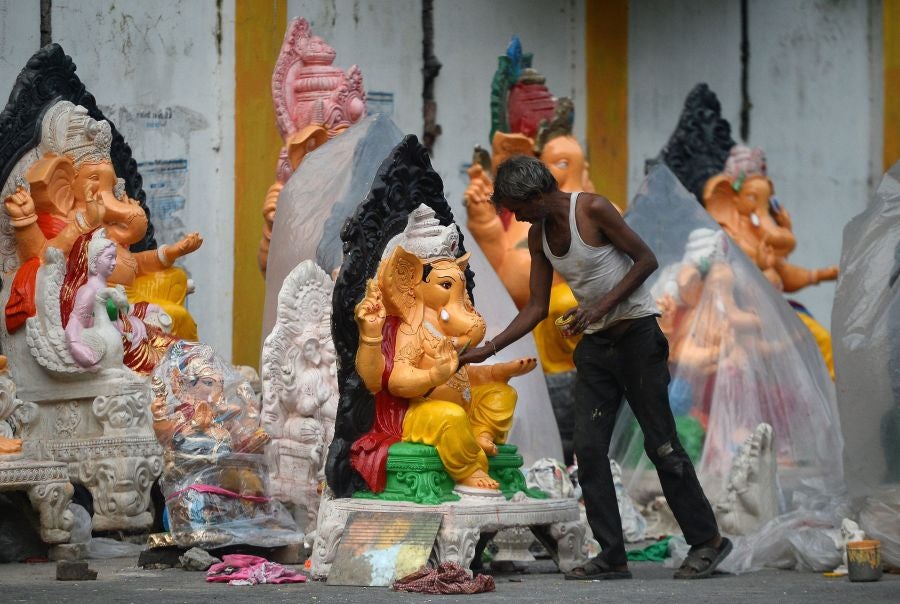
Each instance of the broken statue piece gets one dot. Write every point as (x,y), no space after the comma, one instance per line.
(751,496)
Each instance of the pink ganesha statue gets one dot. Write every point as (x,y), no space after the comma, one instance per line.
(314,102)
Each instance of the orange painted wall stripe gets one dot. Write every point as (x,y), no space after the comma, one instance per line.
(259,30)
(606,71)
(891,17)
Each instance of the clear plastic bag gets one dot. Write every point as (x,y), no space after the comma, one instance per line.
(215,478)
(739,356)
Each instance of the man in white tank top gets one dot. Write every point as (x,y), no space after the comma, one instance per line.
(623,353)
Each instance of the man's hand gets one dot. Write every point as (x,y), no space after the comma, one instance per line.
(584,317)
(475,355)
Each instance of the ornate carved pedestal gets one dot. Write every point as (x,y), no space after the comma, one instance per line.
(99,430)
(49,490)
(555,522)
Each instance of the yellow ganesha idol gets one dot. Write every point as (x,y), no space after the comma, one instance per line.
(415,319)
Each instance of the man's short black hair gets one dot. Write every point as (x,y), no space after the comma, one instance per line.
(520,179)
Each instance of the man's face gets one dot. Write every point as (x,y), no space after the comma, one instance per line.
(525,211)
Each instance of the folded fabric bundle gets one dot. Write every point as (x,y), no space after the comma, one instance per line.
(243,569)
(657,552)
(448,578)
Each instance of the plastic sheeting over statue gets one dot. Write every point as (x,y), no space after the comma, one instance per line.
(214,477)
(866,320)
(739,357)
(318,198)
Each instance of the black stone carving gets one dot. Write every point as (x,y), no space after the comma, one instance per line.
(698,148)
(403,182)
(48,77)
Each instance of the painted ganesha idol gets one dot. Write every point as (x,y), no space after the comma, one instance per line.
(414,321)
(412,424)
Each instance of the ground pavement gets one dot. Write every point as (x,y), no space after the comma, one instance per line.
(120,580)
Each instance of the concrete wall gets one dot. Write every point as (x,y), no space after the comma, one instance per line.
(20,36)
(814,96)
(163,73)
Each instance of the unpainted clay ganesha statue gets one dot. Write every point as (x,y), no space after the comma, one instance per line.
(414,320)
(742,200)
(314,102)
(73,188)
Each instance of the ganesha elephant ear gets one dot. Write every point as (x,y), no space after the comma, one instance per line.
(720,200)
(302,142)
(398,278)
(50,179)
(463,261)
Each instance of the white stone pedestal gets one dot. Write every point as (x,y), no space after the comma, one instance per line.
(48,488)
(554,521)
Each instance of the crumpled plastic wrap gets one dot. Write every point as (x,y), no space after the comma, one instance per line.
(215,477)
(739,356)
(803,540)
(866,324)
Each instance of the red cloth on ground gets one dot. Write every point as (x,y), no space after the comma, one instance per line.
(368,454)
(448,578)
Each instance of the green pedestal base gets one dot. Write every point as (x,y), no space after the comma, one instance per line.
(415,473)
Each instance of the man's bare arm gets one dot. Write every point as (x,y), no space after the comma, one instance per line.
(603,215)
(540,282)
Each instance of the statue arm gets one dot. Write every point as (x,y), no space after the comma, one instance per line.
(483,221)
(370,315)
(408,379)
(795,277)
(153,261)
(269,207)
(83,354)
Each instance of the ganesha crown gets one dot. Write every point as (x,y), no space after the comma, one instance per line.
(425,237)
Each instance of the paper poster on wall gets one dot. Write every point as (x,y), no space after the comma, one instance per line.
(164,184)
(379,102)
(160,137)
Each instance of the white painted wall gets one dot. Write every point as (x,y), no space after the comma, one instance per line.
(20,37)
(157,71)
(814,98)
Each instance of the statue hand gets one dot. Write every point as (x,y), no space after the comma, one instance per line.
(189,243)
(477,197)
(502,372)
(825,274)
(370,312)
(446,362)
(20,207)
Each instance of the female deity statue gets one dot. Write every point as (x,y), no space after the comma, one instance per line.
(89,310)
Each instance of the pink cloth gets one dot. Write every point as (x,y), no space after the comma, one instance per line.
(244,569)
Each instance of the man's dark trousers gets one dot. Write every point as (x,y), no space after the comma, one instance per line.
(634,366)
